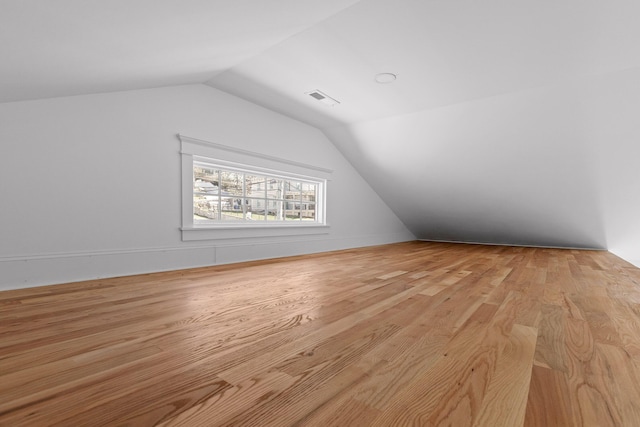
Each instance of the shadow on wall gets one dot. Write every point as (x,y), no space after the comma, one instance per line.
(519,168)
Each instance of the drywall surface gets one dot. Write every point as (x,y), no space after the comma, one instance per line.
(90,185)
(550,166)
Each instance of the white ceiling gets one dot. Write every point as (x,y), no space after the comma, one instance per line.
(72,47)
(510,121)
(444,52)
(273,52)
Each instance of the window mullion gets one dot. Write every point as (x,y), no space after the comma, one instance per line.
(243,203)
(219,195)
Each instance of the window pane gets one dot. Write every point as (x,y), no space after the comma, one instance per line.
(231,208)
(255,185)
(292,200)
(292,215)
(275,210)
(308,192)
(292,187)
(256,209)
(205,207)
(205,180)
(231,183)
(309,212)
(274,188)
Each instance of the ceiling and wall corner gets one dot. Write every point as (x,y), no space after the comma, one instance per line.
(509,122)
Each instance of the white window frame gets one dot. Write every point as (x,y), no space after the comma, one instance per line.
(196,151)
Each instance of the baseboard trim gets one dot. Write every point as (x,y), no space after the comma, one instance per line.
(56,255)
(64,267)
(513,244)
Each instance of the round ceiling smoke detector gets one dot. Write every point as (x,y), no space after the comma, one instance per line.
(385,77)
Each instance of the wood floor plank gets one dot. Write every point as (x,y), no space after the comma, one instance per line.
(506,398)
(415,333)
(219,409)
(551,349)
(617,372)
(349,412)
(548,402)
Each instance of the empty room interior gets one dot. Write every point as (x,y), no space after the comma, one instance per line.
(319,213)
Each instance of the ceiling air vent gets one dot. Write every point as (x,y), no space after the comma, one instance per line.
(323,97)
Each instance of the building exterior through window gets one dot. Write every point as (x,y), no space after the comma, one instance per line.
(223,195)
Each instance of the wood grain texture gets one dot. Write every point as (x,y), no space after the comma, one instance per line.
(411,334)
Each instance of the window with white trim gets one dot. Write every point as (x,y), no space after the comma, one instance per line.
(233,193)
(245,195)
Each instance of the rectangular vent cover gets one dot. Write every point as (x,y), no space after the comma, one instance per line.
(323,97)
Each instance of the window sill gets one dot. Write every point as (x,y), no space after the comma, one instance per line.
(232,231)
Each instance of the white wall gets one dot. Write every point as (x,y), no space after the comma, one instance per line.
(91,184)
(555,165)
(612,107)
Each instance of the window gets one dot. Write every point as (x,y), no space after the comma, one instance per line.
(230,193)
(225,195)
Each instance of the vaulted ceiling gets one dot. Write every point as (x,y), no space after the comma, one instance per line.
(73,47)
(509,122)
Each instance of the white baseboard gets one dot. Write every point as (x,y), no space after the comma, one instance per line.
(512,244)
(20,272)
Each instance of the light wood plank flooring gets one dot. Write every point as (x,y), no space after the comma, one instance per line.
(411,334)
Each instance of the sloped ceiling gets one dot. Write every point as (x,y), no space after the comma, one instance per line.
(509,122)
(72,47)
(444,53)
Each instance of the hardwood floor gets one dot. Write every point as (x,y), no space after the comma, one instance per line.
(409,334)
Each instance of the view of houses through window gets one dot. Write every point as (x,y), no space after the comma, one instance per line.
(221,195)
